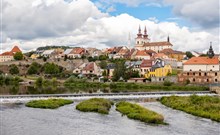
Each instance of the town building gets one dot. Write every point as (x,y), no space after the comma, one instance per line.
(159,69)
(9,56)
(203,70)
(142,42)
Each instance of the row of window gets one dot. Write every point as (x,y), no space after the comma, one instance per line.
(207,80)
(200,74)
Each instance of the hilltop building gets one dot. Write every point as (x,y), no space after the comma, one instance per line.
(9,56)
(142,42)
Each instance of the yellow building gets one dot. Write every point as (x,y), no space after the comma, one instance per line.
(159,71)
(34,56)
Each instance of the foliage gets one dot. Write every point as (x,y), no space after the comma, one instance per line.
(103,64)
(92,59)
(99,105)
(134,111)
(189,54)
(132,74)
(9,80)
(65,57)
(103,57)
(34,68)
(203,106)
(39,81)
(52,47)
(49,103)
(13,69)
(167,83)
(187,82)
(51,68)
(104,73)
(1,72)
(120,71)
(44,59)
(18,56)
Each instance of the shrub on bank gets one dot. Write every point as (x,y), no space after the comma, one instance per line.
(49,103)
(134,111)
(203,106)
(99,105)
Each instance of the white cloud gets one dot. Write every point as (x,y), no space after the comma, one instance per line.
(82,24)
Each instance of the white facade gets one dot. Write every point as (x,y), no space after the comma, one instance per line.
(6,58)
(204,68)
(141,57)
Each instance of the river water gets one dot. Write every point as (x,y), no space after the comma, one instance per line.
(16,119)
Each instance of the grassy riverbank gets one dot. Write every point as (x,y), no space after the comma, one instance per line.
(203,106)
(98,105)
(49,103)
(134,111)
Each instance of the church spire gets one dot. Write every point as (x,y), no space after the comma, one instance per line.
(145,33)
(168,38)
(139,35)
(210,53)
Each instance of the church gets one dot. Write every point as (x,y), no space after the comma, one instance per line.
(142,42)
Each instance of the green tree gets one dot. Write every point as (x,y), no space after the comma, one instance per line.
(65,57)
(103,57)
(103,64)
(18,56)
(189,54)
(120,71)
(34,68)
(104,73)
(51,68)
(13,69)
(39,81)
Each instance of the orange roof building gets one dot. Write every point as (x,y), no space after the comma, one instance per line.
(202,64)
(9,56)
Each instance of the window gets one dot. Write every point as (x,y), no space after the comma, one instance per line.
(216,80)
(216,74)
(194,79)
(194,73)
(210,69)
(207,80)
(190,70)
(188,74)
(199,74)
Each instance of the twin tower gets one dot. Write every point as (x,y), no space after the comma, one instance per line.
(141,39)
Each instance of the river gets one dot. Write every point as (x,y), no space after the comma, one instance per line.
(16,119)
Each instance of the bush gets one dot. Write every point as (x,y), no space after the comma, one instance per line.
(49,103)
(99,105)
(167,83)
(13,69)
(134,111)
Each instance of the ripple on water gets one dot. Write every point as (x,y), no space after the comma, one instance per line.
(20,120)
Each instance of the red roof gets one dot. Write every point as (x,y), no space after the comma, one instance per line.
(165,43)
(146,63)
(202,61)
(14,50)
(78,50)
(89,67)
(142,53)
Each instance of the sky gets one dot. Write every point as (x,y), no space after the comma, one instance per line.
(190,24)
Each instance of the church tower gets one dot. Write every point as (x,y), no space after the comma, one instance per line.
(211,53)
(141,39)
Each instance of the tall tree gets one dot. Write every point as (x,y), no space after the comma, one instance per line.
(189,54)
(18,56)
(120,71)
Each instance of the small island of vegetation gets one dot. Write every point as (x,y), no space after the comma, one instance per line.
(49,103)
(203,106)
(99,105)
(134,111)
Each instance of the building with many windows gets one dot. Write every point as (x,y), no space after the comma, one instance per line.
(9,56)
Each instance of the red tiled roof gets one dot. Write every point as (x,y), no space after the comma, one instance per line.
(170,51)
(165,43)
(89,67)
(160,55)
(146,63)
(78,50)
(142,53)
(202,61)
(15,49)
(12,52)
